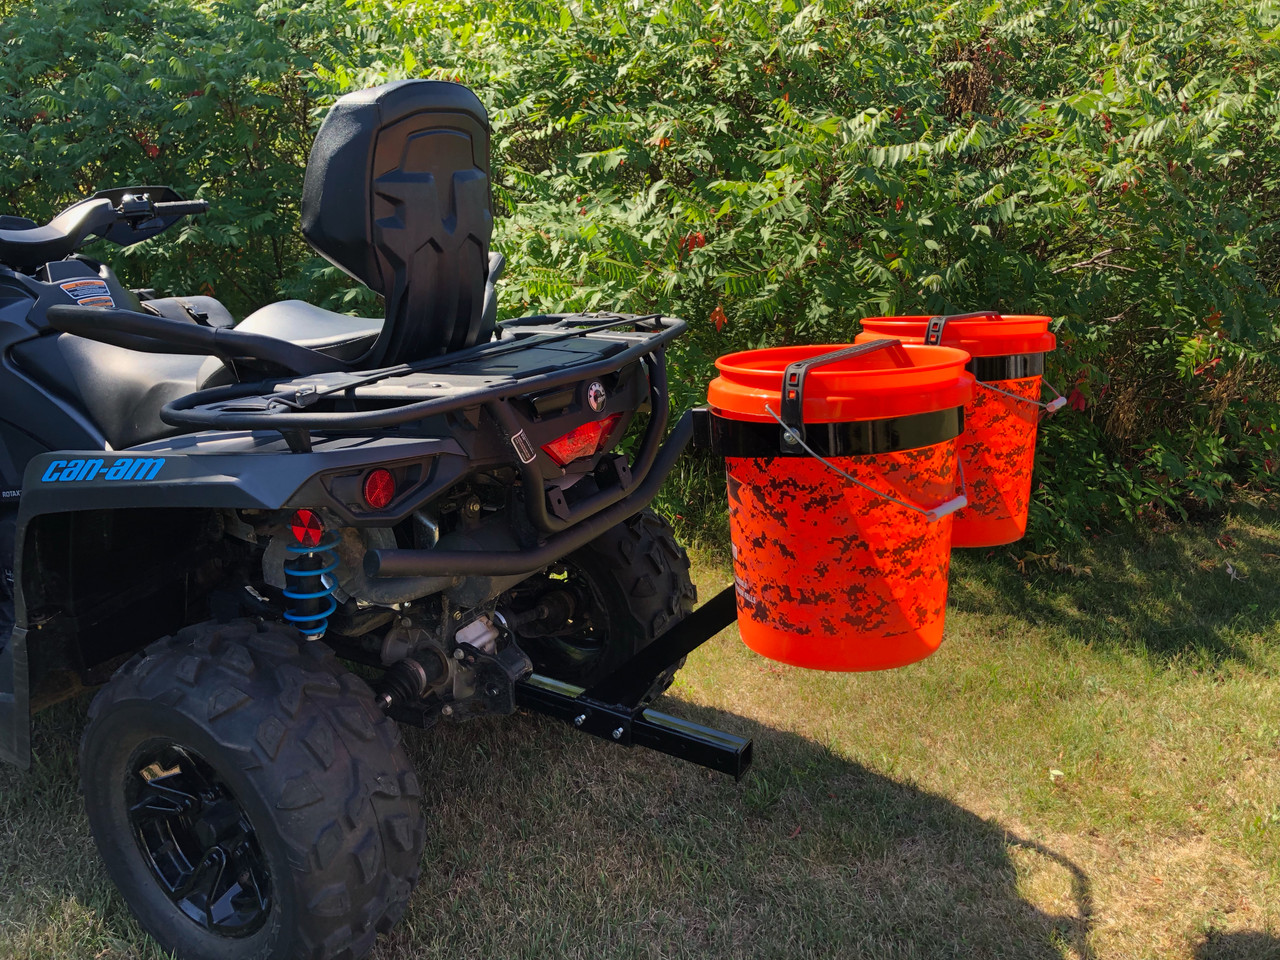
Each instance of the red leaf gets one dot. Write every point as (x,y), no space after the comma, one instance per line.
(718,318)
(795,833)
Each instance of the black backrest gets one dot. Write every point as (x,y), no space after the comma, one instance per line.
(397,195)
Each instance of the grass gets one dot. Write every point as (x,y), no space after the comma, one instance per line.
(1087,768)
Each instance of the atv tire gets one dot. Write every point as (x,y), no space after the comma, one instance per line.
(249,799)
(634,580)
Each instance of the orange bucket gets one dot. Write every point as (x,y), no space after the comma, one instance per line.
(842,475)
(999,442)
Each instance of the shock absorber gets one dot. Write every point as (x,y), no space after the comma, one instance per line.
(308,575)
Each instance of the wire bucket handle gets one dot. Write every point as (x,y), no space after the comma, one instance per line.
(933,337)
(1047,407)
(932,514)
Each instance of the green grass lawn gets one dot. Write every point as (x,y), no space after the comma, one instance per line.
(1087,768)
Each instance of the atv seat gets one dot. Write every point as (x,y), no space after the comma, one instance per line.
(334,334)
(120,391)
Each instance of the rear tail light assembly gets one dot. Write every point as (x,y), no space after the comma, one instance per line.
(584,441)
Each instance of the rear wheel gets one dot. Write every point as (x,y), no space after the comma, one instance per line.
(249,799)
(605,602)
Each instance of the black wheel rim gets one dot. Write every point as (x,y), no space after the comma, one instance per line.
(197,840)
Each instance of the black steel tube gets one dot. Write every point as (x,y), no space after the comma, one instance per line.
(627,726)
(632,680)
(705,746)
(466,563)
(183,412)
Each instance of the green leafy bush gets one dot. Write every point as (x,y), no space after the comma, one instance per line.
(772,171)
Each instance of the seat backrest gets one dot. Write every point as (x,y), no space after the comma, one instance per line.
(397,195)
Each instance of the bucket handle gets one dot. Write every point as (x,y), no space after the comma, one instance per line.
(933,337)
(933,332)
(932,514)
(792,419)
(1048,408)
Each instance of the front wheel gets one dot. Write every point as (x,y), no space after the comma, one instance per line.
(606,601)
(249,799)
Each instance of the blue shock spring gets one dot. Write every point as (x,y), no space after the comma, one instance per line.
(309,586)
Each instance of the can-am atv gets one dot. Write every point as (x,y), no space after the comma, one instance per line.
(190,504)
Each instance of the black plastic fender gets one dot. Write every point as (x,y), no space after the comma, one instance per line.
(202,471)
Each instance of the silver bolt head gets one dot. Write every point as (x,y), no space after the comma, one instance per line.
(446,710)
(459,653)
(580,719)
(617,734)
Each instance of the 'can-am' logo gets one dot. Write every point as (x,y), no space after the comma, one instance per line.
(122,468)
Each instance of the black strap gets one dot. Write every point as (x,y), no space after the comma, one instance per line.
(933,333)
(792,412)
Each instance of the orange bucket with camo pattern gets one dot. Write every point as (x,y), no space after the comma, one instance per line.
(843,479)
(998,446)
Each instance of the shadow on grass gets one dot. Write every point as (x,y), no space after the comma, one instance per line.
(1242,945)
(589,850)
(545,843)
(1193,591)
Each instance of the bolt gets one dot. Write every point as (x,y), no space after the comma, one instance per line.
(580,719)
(457,614)
(459,653)
(617,734)
(789,437)
(492,690)
(446,710)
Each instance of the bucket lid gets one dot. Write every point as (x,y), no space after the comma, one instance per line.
(900,382)
(993,335)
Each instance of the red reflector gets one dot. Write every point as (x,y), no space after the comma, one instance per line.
(379,488)
(307,528)
(581,441)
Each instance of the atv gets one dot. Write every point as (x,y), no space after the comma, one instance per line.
(270,542)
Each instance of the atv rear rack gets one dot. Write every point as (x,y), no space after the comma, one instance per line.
(403,394)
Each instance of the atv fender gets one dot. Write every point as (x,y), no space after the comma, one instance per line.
(203,471)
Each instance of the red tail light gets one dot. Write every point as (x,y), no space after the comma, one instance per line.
(582,441)
(379,488)
(306,527)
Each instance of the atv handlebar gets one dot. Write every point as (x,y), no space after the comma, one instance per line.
(181,208)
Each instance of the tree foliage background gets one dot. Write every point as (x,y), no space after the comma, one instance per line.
(771,170)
